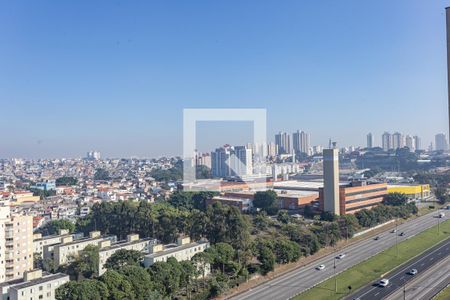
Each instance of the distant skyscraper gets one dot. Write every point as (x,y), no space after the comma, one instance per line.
(417,143)
(440,141)
(369,140)
(409,141)
(231,161)
(331,180)
(301,142)
(93,155)
(283,142)
(272,149)
(386,141)
(398,141)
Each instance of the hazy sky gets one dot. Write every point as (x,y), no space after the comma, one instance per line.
(115,75)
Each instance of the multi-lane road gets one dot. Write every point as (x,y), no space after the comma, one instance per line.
(425,285)
(400,277)
(301,279)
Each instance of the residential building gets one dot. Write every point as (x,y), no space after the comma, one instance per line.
(386,141)
(370,143)
(39,242)
(231,161)
(409,141)
(301,142)
(417,143)
(184,249)
(47,185)
(398,140)
(34,285)
(16,243)
(440,142)
(283,142)
(131,243)
(68,247)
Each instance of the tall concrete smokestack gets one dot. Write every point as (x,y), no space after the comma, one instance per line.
(447,14)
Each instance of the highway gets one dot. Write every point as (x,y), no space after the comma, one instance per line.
(427,284)
(301,279)
(400,277)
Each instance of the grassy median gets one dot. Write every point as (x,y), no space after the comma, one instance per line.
(371,269)
(444,295)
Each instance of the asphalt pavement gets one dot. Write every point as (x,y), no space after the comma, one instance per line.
(425,285)
(400,277)
(303,278)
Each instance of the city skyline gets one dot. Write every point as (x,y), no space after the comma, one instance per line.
(130,82)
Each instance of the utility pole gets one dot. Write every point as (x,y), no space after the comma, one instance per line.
(396,238)
(335,278)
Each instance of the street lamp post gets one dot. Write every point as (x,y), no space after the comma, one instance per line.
(335,278)
(396,238)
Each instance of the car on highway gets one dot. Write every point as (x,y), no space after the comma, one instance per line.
(393,230)
(441,215)
(412,272)
(383,282)
(340,256)
(376,238)
(321,267)
(401,234)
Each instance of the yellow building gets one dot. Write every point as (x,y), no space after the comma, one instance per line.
(414,192)
(24,196)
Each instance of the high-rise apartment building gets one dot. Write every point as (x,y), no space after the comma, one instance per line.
(331,181)
(440,142)
(16,243)
(417,143)
(398,140)
(231,161)
(301,142)
(409,142)
(272,149)
(283,142)
(369,140)
(386,141)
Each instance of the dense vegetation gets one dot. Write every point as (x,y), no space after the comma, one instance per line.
(66,181)
(241,244)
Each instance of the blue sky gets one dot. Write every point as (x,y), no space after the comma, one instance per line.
(115,75)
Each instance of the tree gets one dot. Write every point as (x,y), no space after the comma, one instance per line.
(86,264)
(118,286)
(66,180)
(140,280)
(283,216)
(328,216)
(261,221)
(182,200)
(395,199)
(266,200)
(442,194)
(124,257)
(221,254)
(166,276)
(228,225)
(54,227)
(286,251)
(101,174)
(85,289)
(201,261)
(267,259)
(348,225)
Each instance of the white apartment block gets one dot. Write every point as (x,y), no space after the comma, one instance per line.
(34,285)
(39,241)
(182,250)
(68,247)
(131,243)
(16,243)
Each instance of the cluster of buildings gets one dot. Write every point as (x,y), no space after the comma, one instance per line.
(399,140)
